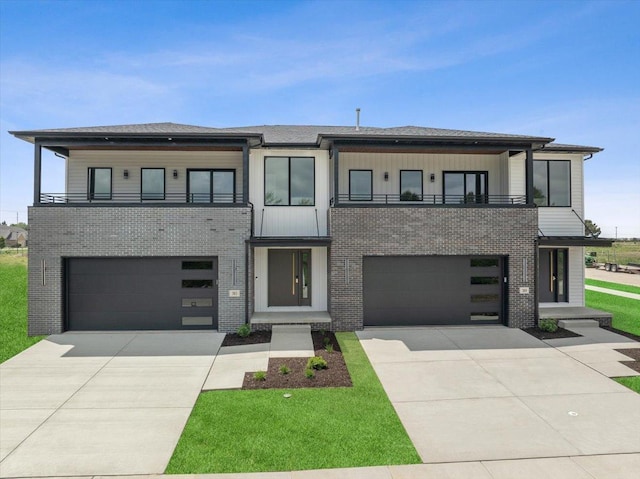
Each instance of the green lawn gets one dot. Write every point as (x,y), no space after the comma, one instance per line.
(615,286)
(13,306)
(632,382)
(625,310)
(253,431)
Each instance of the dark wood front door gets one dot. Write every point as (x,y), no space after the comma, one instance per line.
(552,275)
(289,277)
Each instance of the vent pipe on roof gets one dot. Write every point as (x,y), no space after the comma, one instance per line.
(357,119)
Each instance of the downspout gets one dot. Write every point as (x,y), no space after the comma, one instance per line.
(246,269)
(246,282)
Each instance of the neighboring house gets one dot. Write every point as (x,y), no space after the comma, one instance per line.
(167,226)
(14,236)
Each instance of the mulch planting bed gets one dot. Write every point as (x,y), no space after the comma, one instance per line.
(622,333)
(633,354)
(336,374)
(560,333)
(257,337)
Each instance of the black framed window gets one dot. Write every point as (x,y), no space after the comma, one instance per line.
(552,182)
(211,186)
(289,181)
(465,187)
(360,185)
(152,183)
(410,185)
(100,183)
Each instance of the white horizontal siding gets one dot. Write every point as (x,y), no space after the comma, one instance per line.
(429,163)
(318,282)
(289,220)
(119,160)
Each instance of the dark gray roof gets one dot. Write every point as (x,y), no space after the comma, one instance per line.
(311,134)
(308,135)
(142,128)
(562,147)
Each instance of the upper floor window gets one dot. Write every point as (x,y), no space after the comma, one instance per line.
(360,185)
(552,182)
(466,186)
(211,186)
(99,183)
(152,183)
(289,181)
(410,185)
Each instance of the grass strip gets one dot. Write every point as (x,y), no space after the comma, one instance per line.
(632,382)
(260,430)
(626,311)
(13,309)
(615,286)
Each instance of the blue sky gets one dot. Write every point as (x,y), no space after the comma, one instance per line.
(564,69)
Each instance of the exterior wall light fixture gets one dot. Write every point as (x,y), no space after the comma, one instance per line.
(175,174)
(386,176)
(125,174)
(432,177)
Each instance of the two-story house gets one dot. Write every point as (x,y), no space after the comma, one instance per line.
(167,226)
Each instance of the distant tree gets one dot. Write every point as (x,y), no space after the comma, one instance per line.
(21,225)
(4,223)
(2,243)
(591,229)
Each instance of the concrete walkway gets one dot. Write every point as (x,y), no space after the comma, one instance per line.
(614,292)
(100,403)
(478,403)
(497,394)
(622,278)
(233,362)
(613,466)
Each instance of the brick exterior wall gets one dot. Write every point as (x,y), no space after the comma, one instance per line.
(58,232)
(358,232)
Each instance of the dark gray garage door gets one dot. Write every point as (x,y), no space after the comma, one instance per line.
(432,290)
(141,293)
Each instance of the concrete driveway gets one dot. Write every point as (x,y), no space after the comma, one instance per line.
(100,403)
(494,393)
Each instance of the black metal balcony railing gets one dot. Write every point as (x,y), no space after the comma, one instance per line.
(412,199)
(100,198)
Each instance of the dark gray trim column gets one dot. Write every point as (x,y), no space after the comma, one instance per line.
(245,174)
(336,167)
(529,176)
(37,172)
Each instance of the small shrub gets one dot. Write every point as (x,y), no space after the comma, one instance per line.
(329,348)
(309,373)
(244,331)
(260,376)
(316,362)
(548,325)
(323,332)
(326,340)
(284,369)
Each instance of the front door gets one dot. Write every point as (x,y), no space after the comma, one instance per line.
(289,277)
(552,275)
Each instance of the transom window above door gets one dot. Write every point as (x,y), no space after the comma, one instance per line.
(289,181)
(465,187)
(211,186)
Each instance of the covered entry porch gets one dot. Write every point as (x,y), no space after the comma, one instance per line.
(290,282)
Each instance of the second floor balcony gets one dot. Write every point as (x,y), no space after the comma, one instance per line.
(157,199)
(409,199)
